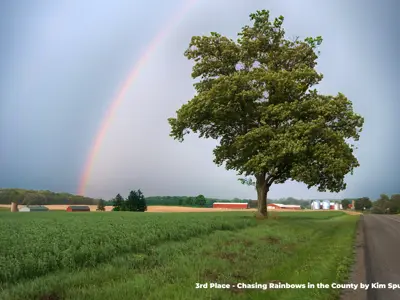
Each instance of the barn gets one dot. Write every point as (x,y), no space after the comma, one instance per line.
(76,208)
(32,208)
(283,206)
(231,205)
(273,206)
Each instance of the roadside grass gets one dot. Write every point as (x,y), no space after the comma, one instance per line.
(295,248)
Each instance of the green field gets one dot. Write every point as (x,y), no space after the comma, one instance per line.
(58,255)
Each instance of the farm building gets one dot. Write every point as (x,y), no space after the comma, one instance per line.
(283,206)
(76,208)
(325,205)
(31,208)
(14,207)
(231,205)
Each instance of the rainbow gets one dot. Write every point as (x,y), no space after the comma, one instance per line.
(118,99)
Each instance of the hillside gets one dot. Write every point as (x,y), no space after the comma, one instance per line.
(32,197)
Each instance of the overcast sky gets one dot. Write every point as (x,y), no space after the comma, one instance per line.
(62,63)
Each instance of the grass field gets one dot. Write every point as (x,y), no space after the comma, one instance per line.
(59,255)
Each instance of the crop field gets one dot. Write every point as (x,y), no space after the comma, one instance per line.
(123,255)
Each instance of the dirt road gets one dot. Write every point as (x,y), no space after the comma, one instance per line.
(382,254)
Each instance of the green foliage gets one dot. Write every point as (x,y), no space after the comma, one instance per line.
(362,204)
(247,181)
(119,204)
(255,96)
(149,254)
(142,206)
(32,197)
(186,201)
(101,206)
(345,203)
(135,202)
(200,201)
(386,205)
(132,202)
(73,242)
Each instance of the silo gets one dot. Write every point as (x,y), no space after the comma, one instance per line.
(326,204)
(316,204)
(14,207)
(337,206)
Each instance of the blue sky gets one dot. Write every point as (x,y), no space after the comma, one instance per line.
(62,62)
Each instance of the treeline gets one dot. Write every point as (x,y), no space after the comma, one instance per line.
(383,205)
(197,201)
(134,202)
(40,197)
(386,204)
(360,204)
(32,197)
(202,201)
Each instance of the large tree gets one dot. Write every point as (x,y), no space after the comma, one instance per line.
(254,95)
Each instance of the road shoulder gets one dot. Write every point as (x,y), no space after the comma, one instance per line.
(358,271)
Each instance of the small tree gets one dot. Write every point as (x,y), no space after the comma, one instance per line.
(142,206)
(101,205)
(118,203)
(257,97)
(200,200)
(132,203)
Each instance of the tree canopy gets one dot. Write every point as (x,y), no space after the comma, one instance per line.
(118,203)
(255,96)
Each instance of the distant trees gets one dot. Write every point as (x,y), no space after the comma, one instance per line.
(118,203)
(132,201)
(200,200)
(101,205)
(386,205)
(345,204)
(31,198)
(135,202)
(362,203)
(142,206)
(40,197)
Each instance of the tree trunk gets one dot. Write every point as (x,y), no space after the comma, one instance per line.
(262,191)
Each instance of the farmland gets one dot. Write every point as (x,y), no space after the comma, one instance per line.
(59,255)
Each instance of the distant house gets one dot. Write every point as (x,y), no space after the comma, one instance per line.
(76,208)
(31,208)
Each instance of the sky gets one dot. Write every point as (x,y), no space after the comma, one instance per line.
(63,62)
